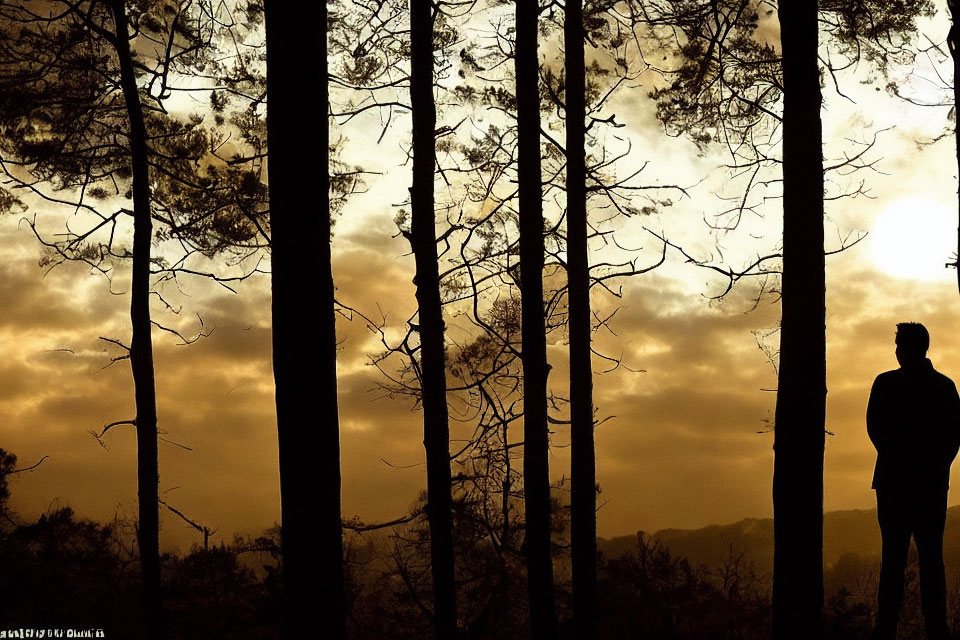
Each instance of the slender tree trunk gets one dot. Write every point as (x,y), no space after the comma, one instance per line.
(536,469)
(583,471)
(801,394)
(141,344)
(953,41)
(436,430)
(304,331)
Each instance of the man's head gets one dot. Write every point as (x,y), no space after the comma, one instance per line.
(913,340)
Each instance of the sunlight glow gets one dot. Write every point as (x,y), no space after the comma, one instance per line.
(914,238)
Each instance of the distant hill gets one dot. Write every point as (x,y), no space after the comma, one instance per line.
(844,532)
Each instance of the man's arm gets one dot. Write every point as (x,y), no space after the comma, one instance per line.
(876,416)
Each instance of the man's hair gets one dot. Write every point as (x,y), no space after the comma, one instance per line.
(913,336)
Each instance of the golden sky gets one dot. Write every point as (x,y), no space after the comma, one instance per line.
(689,443)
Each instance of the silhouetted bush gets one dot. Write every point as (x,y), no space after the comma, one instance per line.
(66,572)
(210,594)
(649,593)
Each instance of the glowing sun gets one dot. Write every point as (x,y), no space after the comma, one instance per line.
(914,238)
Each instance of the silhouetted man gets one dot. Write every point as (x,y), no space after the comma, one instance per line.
(913,419)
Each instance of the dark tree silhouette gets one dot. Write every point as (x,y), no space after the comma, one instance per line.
(141,344)
(423,241)
(801,389)
(536,470)
(583,472)
(307,419)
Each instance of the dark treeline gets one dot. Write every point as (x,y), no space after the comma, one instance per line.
(64,570)
(87,122)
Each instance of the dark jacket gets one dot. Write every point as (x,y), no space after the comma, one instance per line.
(913,419)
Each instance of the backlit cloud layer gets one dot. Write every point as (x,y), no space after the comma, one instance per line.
(688,441)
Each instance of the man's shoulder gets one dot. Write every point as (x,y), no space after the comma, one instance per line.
(944,381)
(888,376)
(895,375)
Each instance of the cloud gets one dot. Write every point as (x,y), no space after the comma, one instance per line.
(682,449)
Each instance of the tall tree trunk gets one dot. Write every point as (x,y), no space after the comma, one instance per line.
(801,394)
(583,472)
(536,469)
(423,240)
(141,344)
(953,42)
(304,331)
